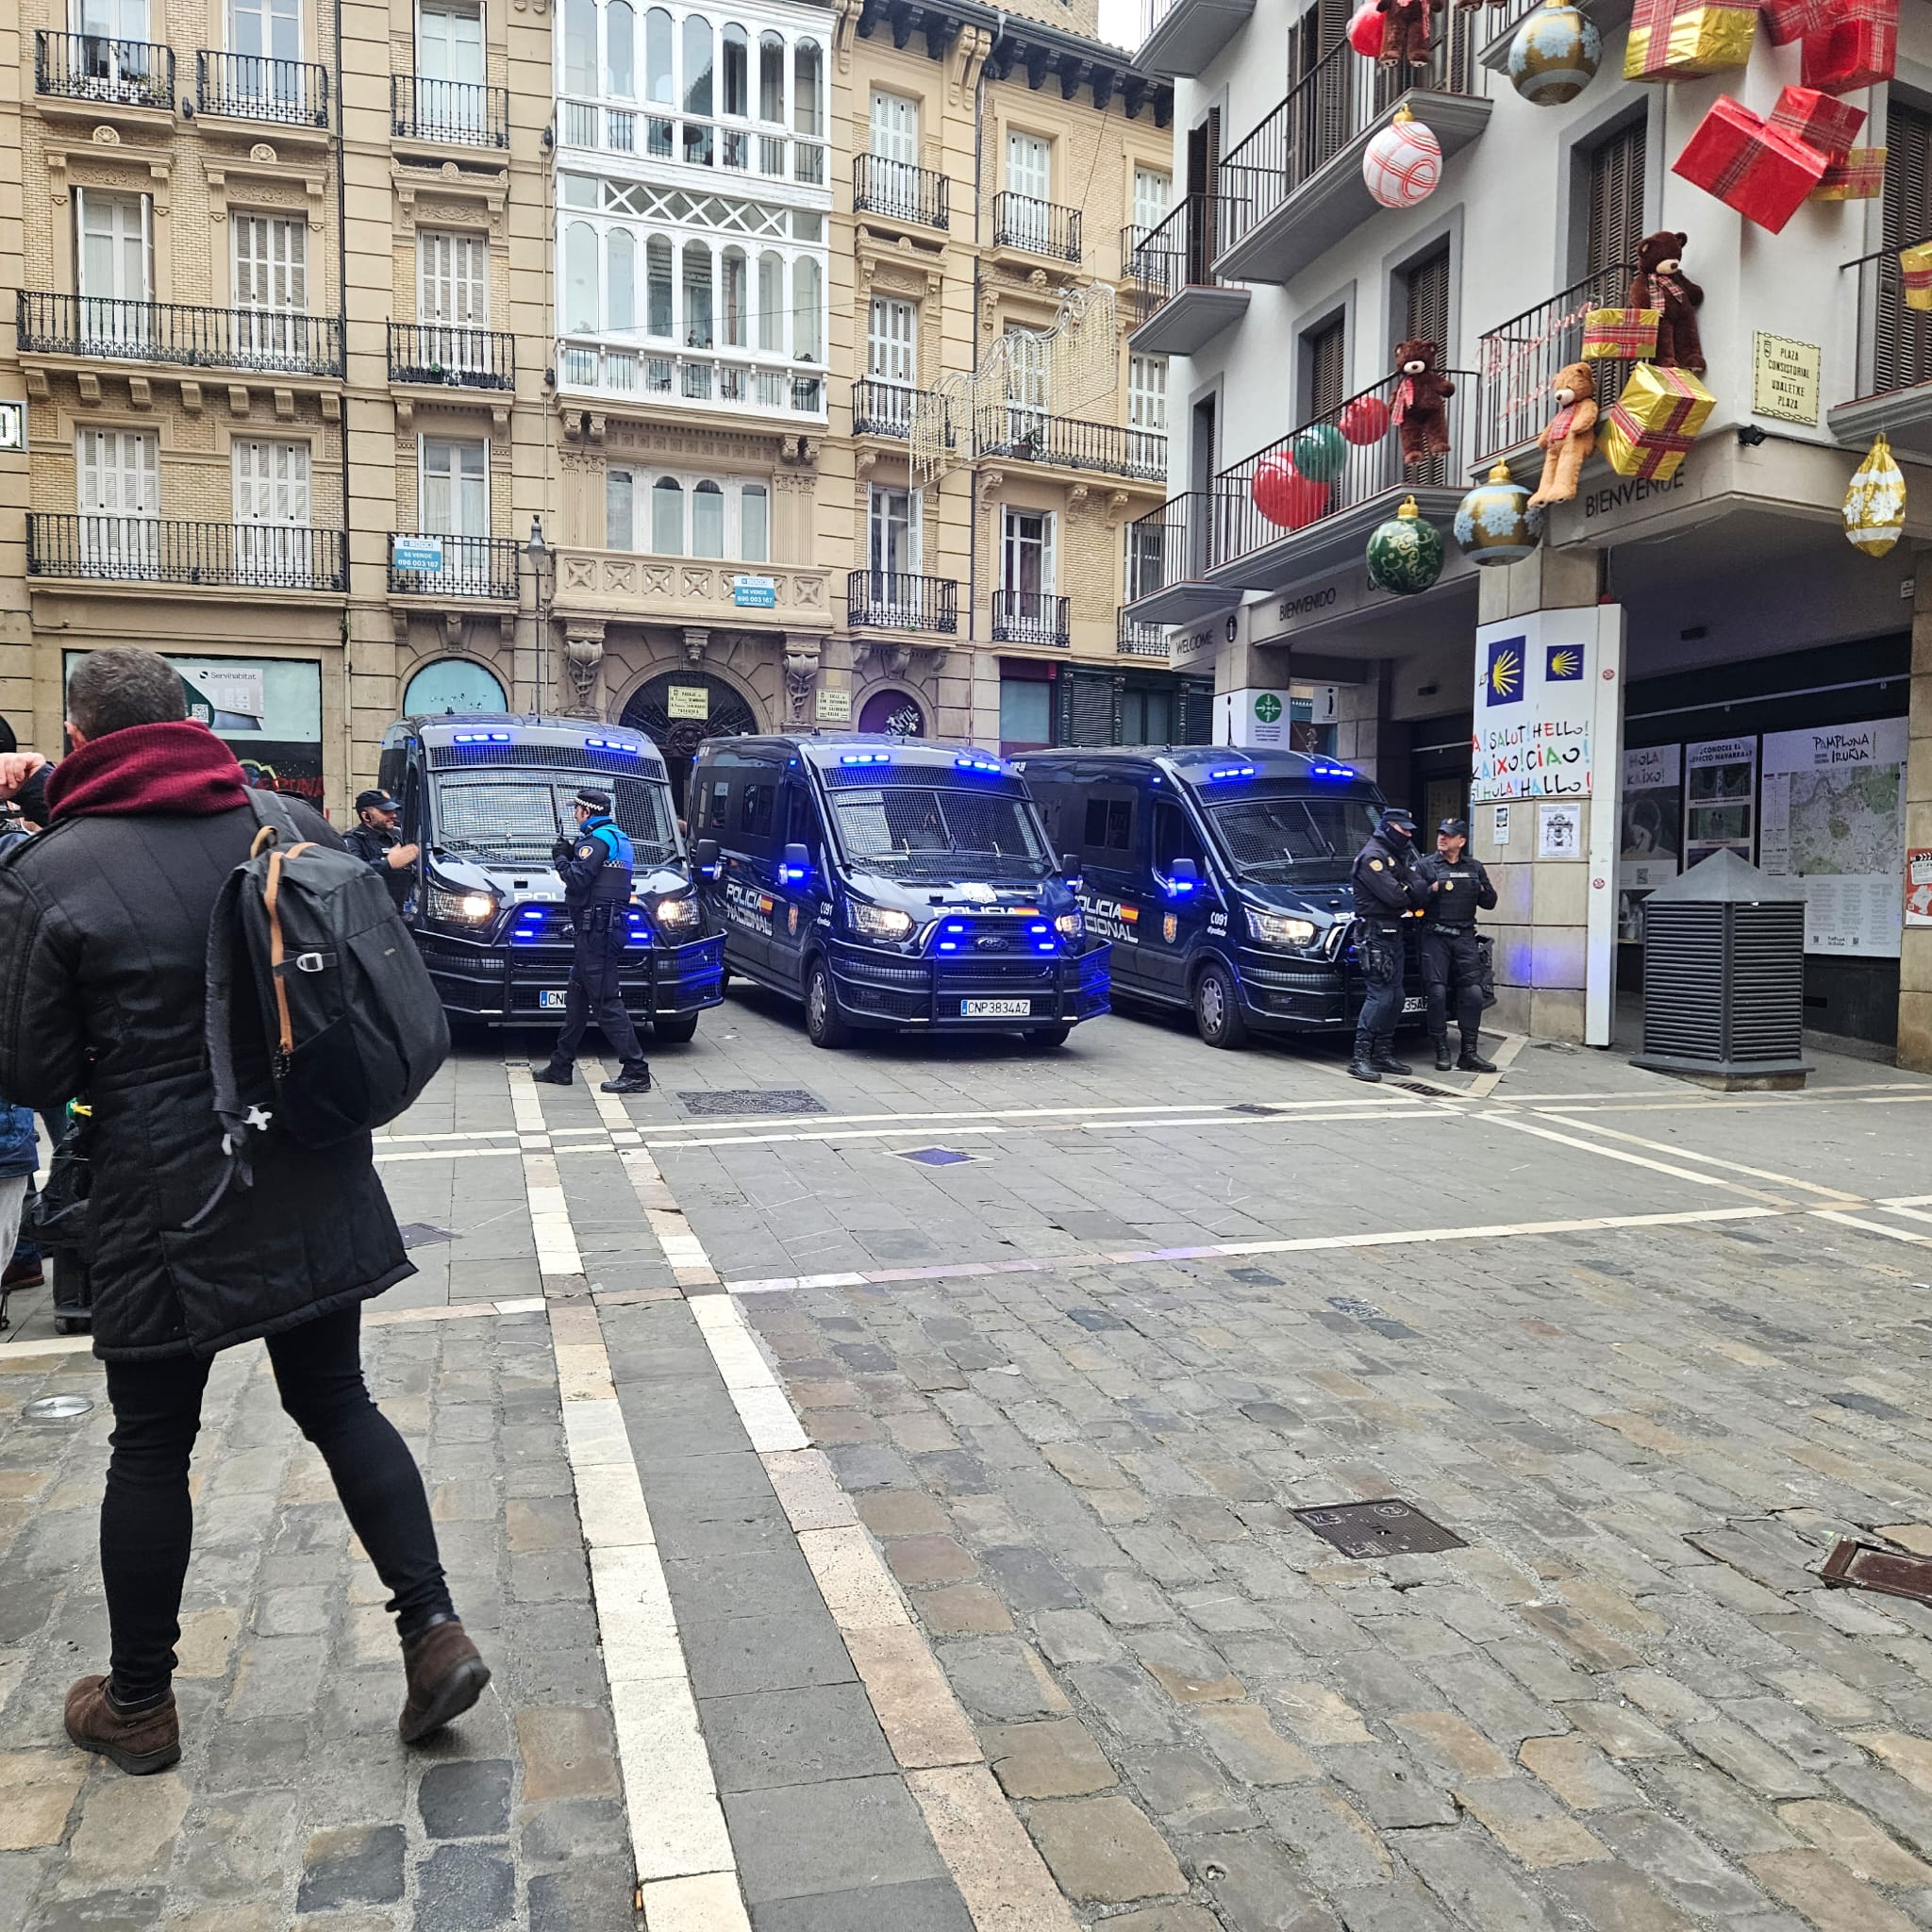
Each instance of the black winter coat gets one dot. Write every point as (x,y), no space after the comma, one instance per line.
(103,946)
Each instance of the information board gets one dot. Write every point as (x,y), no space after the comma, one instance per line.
(1720,798)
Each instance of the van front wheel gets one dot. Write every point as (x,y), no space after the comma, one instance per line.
(676,1029)
(824,1025)
(1218,1016)
(1048,1039)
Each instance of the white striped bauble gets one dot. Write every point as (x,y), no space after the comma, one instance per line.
(1403,162)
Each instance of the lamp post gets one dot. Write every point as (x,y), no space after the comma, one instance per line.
(538,551)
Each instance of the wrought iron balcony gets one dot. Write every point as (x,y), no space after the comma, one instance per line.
(471,567)
(104,72)
(1521,360)
(450,357)
(250,87)
(96,328)
(899,191)
(154,550)
(1892,387)
(886,408)
(1031,617)
(1027,436)
(892,600)
(1167,563)
(1039,227)
(1134,637)
(456,113)
(1183,35)
(1176,302)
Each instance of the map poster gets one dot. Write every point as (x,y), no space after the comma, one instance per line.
(1834,816)
(1720,798)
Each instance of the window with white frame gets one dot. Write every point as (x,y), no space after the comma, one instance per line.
(271,285)
(893,540)
(891,347)
(115,50)
(1152,197)
(677,514)
(271,505)
(453,497)
(1028,220)
(265,36)
(1026,557)
(1147,411)
(449,64)
(116,262)
(451,296)
(117,475)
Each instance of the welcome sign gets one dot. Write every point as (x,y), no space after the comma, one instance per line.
(1535,702)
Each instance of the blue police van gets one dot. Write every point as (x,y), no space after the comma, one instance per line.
(486,798)
(1221,877)
(887,882)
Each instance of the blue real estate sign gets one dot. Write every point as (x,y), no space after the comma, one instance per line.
(755,594)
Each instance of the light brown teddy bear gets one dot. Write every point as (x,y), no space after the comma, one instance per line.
(1570,436)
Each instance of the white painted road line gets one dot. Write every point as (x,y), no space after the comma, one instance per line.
(1891,1233)
(1759,1174)
(1496,1118)
(556,1241)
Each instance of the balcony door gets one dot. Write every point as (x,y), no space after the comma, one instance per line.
(891,345)
(1029,189)
(454,503)
(1903,341)
(892,552)
(452,297)
(896,153)
(1615,219)
(116,258)
(265,38)
(1204,189)
(1027,569)
(270,288)
(113,54)
(1147,414)
(272,509)
(449,65)
(118,494)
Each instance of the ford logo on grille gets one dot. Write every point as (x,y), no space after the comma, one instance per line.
(991,943)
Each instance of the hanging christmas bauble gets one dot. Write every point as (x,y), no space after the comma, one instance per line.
(1366,30)
(1555,55)
(1285,496)
(1875,501)
(1320,452)
(1496,523)
(1403,161)
(1405,554)
(1365,421)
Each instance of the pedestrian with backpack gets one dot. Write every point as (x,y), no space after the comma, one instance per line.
(202,1233)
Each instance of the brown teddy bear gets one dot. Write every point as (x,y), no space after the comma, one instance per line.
(1405,32)
(1660,283)
(1418,410)
(1571,435)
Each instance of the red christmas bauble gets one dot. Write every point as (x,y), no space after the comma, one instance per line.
(1285,496)
(1365,421)
(1366,29)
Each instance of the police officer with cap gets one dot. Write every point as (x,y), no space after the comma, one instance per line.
(1458,888)
(595,867)
(376,842)
(1386,890)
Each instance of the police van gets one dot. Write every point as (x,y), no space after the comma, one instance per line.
(486,798)
(889,882)
(1221,877)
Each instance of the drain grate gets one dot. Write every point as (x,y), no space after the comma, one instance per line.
(714,1105)
(1387,1528)
(1429,1090)
(420,1234)
(934,1156)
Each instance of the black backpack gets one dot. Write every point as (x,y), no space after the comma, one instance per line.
(322,1017)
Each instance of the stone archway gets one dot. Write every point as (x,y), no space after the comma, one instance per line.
(666,719)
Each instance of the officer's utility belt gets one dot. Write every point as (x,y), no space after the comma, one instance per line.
(1444,925)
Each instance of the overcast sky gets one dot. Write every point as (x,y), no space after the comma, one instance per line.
(1120,22)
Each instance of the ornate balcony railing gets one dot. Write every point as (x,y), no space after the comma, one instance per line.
(1158,263)
(1133,639)
(1029,436)
(271,340)
(1168,546)
(885,409)
(892,600)
(1030,617)
(250,87)
(1521,360)
(697,141)
(900,190)
(458,114)
(1895,343)
(471,567)
(91,67)
(153,550)
(436,352)
(695,376)
(1040,227)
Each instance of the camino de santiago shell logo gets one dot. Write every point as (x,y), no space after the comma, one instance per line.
(1563,665)
(1502,679)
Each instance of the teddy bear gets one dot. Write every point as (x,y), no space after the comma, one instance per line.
(1660,283)
(1418,410)
(1571,435)
(1406,32)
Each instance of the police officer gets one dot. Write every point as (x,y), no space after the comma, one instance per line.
(1386,890)
(1458,888)
(376,842)
(595,867)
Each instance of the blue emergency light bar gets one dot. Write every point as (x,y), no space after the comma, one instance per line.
(1230,772)
(1319,770)
(614,745)
(483,738)
(866,758)
(974,764)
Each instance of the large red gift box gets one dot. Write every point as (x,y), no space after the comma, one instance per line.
(1762,173)
(1858,48)
(1816,119)
(1786,21)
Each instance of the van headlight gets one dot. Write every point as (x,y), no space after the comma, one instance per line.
(1276,929)
(1070,925)
(461,909)
(676,915)
(878,922)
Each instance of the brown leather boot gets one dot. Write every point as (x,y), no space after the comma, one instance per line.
(138,1741)
(446,1676)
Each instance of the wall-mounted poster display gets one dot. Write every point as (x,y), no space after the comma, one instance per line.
(1649,832)
(1720,798)
(1834,816)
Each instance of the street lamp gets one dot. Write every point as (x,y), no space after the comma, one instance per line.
(538,551)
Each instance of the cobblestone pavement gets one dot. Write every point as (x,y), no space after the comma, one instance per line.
(821,1369)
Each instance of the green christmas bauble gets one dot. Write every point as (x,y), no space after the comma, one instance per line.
(1405,554)
(1555,56)
(1320,452)
(1496,523)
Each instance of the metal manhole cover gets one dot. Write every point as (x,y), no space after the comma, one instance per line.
(753,1100)
(58,1408)
(420,1234)
(1387,1528)
(936,1156)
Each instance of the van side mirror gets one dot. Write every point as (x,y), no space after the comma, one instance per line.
(1183,876)
(705,857)
(795,867)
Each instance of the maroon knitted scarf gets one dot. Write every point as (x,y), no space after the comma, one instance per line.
(148,768)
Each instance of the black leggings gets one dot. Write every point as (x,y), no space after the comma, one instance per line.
(147,1521)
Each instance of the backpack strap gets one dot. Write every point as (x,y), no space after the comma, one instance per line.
(277,950)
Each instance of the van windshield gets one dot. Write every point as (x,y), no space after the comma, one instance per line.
(513,818)
(1309,840)
(914,830)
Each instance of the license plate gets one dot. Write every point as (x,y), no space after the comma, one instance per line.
(995,1009)
(552,1001)
(1411,1004)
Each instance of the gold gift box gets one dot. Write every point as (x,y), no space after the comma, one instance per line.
(1702,39)
(1651,425)
(1859,176)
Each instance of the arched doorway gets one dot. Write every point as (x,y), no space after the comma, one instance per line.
(453,684)
(896,711)
(678,710)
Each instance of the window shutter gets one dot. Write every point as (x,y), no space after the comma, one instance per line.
(1327,368)
(1426,309)
(1194,711)
(1904,338)
(1616,201)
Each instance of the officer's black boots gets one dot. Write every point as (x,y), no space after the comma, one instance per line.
(635,1078)
(1444,1059)
(1471,1060)
(556,1074)
(1384,1059)
(1363,1065)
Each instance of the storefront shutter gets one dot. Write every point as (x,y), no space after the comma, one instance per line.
(1194,711)
(1088,708)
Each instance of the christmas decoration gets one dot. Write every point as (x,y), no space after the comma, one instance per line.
(1320,452)
(1283,495)
(1366,420)
(1660,283)
(1620,335)
(1673,40)
(1569,439)
(1497,522)
(1404,555)
(1555,55)
(1857,48)
(1403,161)
(1786,21)
(1829,126)
(1421,407)
(1749,166)
(1366,29)
(1859,176)
(1655,422)
(1915,274)
(1406,32)
(1875,501)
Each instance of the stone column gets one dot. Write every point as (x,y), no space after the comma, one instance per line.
(1915,949)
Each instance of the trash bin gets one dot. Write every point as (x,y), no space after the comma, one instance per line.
(1723,976)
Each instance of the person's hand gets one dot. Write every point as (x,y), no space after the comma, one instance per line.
(401,855)
(16,768)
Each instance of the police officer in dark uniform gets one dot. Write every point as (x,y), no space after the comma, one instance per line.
(376,842)
(1386,890)
(1458,888)
(595,867)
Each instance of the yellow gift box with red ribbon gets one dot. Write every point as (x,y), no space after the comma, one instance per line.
(1675,39)
(1915,274)
(1655,422)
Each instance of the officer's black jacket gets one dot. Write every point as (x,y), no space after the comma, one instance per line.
(1464,888)
(1384,881)
(373,845)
